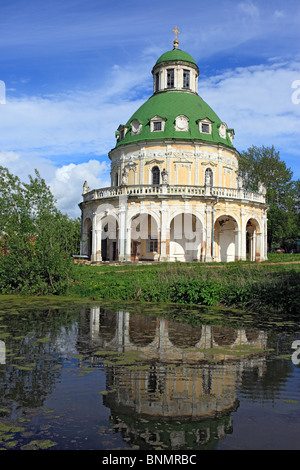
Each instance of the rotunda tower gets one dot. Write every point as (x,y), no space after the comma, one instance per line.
(175,192)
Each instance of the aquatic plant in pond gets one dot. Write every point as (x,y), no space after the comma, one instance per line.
(138,375)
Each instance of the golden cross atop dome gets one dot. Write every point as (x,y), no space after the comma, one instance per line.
(176,42)
(176,32)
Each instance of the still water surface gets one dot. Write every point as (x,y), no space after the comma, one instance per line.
(139,377)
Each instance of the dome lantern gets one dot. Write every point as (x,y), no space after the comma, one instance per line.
(175,70)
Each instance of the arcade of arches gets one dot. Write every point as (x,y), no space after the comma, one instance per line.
(183,237)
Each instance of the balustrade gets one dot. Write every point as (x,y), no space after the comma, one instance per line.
(172,190)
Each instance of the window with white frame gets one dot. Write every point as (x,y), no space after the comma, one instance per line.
(157,124)
(205,126)
(170,78)
(186,78)
(152,245)
(156,81)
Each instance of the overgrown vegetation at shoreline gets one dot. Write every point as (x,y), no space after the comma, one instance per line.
(36,239)
(254,287)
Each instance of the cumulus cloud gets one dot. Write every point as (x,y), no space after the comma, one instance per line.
(257,102)
(67,136)
(67,183)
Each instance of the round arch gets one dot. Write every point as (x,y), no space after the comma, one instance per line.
(254,240)
(144,232)
(226,240)
(185,236)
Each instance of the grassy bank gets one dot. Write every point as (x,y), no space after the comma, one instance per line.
(270,286)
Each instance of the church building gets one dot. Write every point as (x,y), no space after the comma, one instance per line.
(175,193)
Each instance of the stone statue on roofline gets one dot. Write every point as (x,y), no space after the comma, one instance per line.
(262,188)
(86,188)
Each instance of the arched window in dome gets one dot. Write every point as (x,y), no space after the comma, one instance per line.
(155,175)
(208,177)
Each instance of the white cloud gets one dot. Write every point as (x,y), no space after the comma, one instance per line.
(67,183)
(76,122)
(249,9)
(256,102)
(279,14)
(6,157)
(47,132)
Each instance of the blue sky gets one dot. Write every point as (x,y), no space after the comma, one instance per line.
(76,69)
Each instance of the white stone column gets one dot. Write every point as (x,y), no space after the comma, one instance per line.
(265,236)
(237,242)
(243,250)
(163,232)
(208,211)
(253,250)
(128,240)
(122,227)
(259,247)
(96,239)
(95,323)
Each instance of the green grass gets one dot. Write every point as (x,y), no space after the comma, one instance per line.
(254,286)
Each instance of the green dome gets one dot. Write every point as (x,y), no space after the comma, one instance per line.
(168,105)
(175,54)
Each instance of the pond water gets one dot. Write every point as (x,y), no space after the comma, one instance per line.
(93,377)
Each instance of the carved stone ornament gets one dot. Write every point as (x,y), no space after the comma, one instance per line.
(136,127)
(125,175)
(261,188)
(240,182)
(164,176)
(86,188)
(222,130)
(181,123)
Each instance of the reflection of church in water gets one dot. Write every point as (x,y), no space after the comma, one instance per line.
(177,394)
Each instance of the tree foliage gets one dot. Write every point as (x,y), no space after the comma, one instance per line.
(36,239)
(263,164)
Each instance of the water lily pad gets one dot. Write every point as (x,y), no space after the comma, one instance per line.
(39,444)
(44,340)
